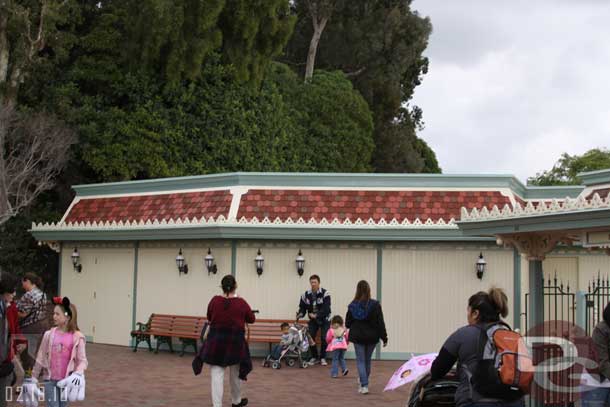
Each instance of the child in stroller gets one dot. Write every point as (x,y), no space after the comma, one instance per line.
(293,346)
(434,393)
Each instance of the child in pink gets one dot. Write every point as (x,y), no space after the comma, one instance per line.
(61,359)
(337,340)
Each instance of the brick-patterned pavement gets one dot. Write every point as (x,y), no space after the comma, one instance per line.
(117,377)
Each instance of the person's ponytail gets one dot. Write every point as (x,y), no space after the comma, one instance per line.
(499,300)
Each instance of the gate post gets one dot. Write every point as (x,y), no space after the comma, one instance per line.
(536,300)
(581,309)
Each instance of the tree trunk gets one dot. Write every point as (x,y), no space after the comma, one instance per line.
(4,56)
(318,28)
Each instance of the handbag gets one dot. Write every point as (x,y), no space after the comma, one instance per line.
(198,360)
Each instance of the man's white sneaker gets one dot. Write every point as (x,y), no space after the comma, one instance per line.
(364,390)
(312,361)
(323,362)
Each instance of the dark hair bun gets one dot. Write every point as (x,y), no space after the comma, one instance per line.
(228,284)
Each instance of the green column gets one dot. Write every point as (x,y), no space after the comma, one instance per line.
(61,252)
(536,300)
(134,299)
(517,289)
(233,257)
(379,290)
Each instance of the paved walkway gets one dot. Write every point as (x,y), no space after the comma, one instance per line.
(118,377)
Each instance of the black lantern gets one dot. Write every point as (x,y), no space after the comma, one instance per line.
(480,265)
(181,263)
(259,260)
(300,263)
(76,261)
(209,263)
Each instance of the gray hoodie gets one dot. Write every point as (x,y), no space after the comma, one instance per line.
(601,339)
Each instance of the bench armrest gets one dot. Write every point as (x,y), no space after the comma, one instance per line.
(141,326)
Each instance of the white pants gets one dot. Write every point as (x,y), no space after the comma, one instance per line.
(218,376)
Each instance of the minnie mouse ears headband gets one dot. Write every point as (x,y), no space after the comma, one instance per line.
(65,303)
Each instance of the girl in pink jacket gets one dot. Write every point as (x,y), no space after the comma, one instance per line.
(337,340)
(61,360)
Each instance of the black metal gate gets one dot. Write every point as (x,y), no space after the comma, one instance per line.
(559,308)
(598,295)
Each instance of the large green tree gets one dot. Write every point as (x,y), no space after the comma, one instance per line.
(379,44)
(567,168)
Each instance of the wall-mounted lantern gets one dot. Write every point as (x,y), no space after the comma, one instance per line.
(209,263)
(76,261)
(259,261)
(480,266)
(300,260)
(181,263)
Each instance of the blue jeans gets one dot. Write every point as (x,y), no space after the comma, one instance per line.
(313,330)
(52,395)
(363,362)
(598,397)
(338,359)
(276,352)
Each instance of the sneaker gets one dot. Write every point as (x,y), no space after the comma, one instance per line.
(345,372)
(242,403)
(323,362)
(334,376)
(313,361)
(364,390)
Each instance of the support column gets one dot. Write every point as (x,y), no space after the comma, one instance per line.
(516,289)
(535,313)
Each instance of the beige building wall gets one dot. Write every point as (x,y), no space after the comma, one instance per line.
(162,290)
(277,291)
(426,289)
(103,291)
(590,266)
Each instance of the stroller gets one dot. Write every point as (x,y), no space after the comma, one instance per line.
(437,393)
(295,351)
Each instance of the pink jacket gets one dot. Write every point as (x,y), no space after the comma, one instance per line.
(337,339)
(78,358)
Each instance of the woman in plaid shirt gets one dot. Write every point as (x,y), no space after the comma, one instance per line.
(33,311)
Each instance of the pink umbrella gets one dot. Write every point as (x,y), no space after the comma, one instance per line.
(412,370)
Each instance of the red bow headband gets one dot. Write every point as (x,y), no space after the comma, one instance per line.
(65,304)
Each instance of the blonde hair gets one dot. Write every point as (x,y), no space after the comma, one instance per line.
(72,325)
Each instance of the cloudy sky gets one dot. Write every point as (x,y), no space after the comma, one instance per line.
(513,84)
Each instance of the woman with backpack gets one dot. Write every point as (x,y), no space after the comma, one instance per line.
(365,321)
(467,345)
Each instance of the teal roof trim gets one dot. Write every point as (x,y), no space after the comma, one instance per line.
(246,232)
(586,219)
(363,180)
(595,177)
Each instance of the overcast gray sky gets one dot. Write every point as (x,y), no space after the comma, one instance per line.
(513,84)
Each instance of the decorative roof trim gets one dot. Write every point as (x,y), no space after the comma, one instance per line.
(554,207)
(222,221)
(325,180)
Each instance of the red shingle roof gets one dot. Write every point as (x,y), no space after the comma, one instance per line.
(365,205)
(603,193)
(150,207)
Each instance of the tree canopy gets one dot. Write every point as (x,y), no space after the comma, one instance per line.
(567,168)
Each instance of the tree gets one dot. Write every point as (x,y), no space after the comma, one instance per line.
(567,168)
(320,12)
(333,122)
(26,30)
(379,44)
(254,32)
(33,150)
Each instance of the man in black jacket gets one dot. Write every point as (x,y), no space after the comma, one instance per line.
(316,303)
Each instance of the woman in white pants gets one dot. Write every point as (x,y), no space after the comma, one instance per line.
(226,345)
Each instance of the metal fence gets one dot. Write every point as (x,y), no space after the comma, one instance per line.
(598,295)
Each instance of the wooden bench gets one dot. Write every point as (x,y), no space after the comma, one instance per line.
(164,327)
(268,331)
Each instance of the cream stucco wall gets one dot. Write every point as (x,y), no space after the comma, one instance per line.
(277,291)
(103,290)
(161,289)
(426,289)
